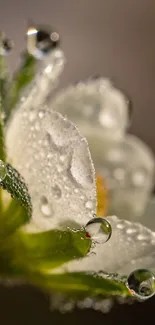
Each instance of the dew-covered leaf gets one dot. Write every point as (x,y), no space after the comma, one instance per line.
(130,246)
(14,184)
(47,250)
(82,284)
(55,161)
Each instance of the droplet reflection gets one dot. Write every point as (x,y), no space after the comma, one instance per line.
(41,40)
(142,283)
(99,230)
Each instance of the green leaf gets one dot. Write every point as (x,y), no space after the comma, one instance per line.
(15,185)
(27,253)
(81,285)
(5,99)
(22,78)
(32,256)
(11,219)
(50,249)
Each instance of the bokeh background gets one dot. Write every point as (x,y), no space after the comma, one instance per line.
(112,38)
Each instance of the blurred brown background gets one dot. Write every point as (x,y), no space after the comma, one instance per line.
(113,38)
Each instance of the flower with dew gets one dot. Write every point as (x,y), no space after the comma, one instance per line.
(56,241)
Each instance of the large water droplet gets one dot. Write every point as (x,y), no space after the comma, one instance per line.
(56,191)
(45,207)
(142,283)
(3,170)
(41,40)
(99,230)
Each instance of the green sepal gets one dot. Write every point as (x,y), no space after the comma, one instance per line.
(22,78)
(50,249)
(79,285)
(12,218)
(15,185)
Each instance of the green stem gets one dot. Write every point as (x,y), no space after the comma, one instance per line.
(3,96)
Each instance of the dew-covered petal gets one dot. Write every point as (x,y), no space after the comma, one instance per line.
(127,165)
(128,168)
(54,159)
(94,105)
(45,80)
(130,247)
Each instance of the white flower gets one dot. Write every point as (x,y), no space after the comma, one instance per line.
(54,158)
(102,113)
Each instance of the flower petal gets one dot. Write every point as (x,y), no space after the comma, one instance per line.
(128,168)
(131,246)
(45,80)
(55,161)
(94,105)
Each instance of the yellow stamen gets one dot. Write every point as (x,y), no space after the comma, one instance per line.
(102,196)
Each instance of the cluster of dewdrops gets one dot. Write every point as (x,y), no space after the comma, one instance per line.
(39,43)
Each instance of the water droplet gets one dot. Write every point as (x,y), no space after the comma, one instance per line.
(40,41)
(45,207)
(56,191)
(99,230)
(89,205)
(42,154)
(120,226)
(59,168)
(142,237)
(131,231)
(37,126)
(3,171)
(139,177)
(119,174)
(41,114)
(32,116)
(62,158)
(141,283)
